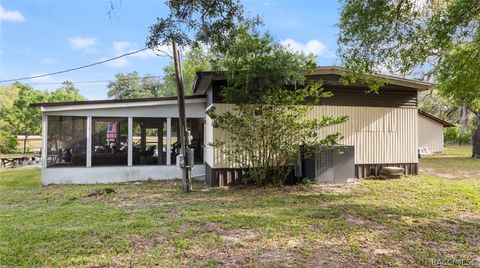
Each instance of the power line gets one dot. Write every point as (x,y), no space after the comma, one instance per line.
(77,68)
(93,81)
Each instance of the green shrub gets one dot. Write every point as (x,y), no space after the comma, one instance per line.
(8,142)
(456,135)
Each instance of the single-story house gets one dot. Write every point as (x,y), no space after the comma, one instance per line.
(103,141)
(430,132)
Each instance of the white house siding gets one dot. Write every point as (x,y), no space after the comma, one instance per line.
(380,135)
(430,134)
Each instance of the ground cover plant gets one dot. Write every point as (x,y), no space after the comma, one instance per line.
(403,222)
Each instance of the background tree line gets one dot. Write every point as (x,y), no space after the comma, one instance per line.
(434,40)
(18,118)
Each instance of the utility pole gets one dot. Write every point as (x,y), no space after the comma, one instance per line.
(182,120)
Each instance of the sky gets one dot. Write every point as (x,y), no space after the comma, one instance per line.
(42,36)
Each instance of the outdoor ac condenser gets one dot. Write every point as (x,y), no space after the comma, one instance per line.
(327,164)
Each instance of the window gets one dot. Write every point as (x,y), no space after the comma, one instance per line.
(109,141)
(149,141)
(66,141)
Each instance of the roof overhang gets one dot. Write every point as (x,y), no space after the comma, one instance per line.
(392,80)
(117,103)
(203,80)
(434,118)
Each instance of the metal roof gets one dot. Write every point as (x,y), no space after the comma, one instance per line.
(203,78)
(439,120)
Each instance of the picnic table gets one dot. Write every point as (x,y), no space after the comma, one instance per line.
(15,161)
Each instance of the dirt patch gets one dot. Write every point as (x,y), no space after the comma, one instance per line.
(238,236)
(450,173)
(138,250)
(471,217)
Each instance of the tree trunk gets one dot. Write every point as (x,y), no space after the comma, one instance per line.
(25,143)
(182,121)
(464,118)
(476,138)
(463,122)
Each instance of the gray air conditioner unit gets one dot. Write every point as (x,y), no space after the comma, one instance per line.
(327,164)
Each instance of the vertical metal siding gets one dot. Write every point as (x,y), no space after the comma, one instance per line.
(430,134)
(381,135)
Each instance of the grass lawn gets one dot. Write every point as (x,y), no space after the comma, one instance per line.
(454,163)
(405,222)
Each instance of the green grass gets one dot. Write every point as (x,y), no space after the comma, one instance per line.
(455,162)
(404,222)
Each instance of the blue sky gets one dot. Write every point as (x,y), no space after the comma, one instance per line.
(38,37)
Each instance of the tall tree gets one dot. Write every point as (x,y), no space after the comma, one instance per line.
(131,85)
(269,123)
(436,40)
(21,118)
(66,92)
(191,23)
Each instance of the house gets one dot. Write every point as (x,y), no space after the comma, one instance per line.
(430,132)
(136,139)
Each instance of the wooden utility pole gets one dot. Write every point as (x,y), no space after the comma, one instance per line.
(182,120)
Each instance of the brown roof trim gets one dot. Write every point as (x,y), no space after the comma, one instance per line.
(414,84)
(49,104)
(439,120)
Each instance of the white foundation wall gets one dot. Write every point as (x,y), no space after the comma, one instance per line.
(430,134)
(381,135)
(114,174)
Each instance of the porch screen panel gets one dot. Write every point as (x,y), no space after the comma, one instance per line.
(66,141)
(149,141)
(174,141)
(195,125)
(109,141)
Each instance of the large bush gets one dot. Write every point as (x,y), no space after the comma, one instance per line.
(456,135)
(8,142)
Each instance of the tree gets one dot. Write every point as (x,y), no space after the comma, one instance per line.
(190,23)
(435,40)
(21,118)
(131,85)
(66,92)
(196,59)
(269,123)
(7,97)
(8,142)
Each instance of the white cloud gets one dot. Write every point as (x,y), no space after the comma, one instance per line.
(11,15)
(314,46)
(83,43)
(122,47)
